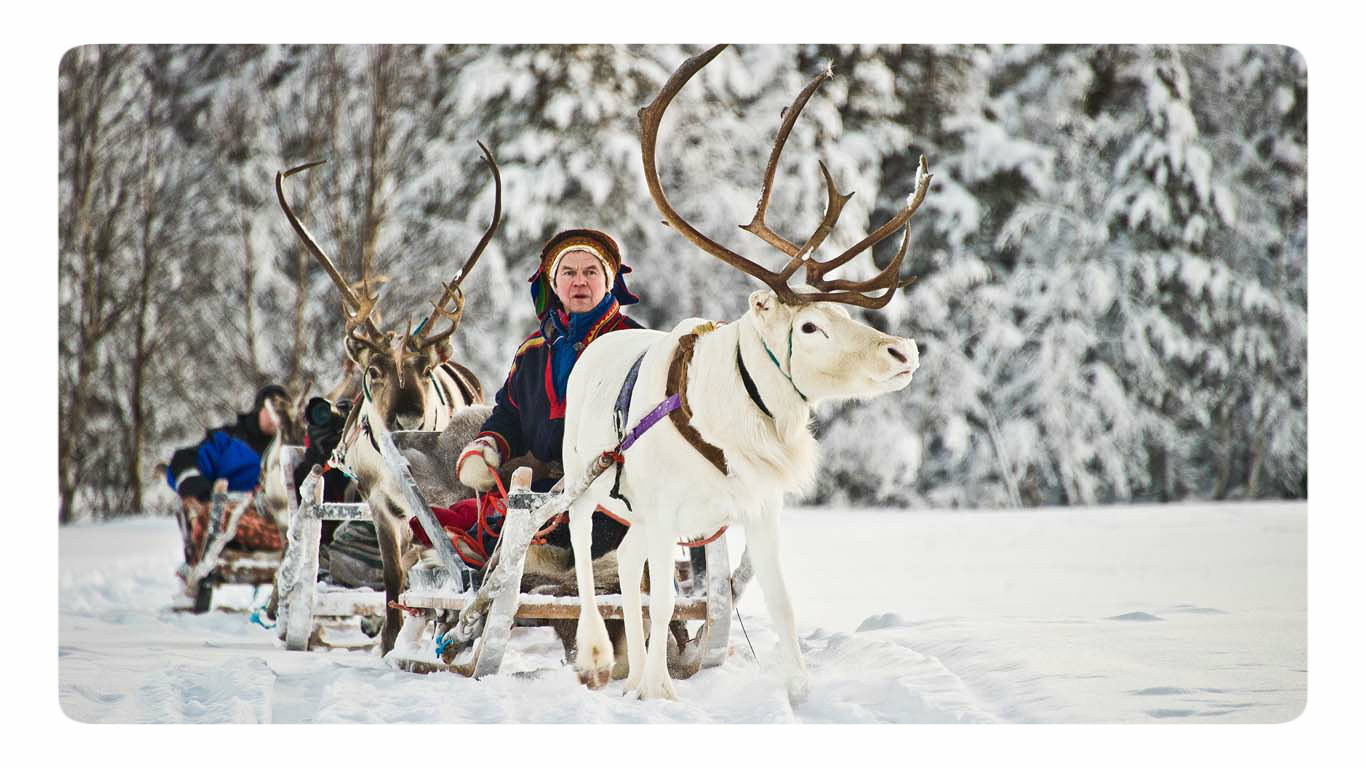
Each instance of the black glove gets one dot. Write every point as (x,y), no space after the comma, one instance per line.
(195,487)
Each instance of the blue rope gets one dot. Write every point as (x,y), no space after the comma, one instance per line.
(779,365)
(442,643)
(256,619)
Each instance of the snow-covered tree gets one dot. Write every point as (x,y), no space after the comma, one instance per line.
(1257,296)
(1112,301)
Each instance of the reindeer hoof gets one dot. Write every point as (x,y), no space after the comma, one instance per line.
(595,678)
(594,659)
(798,689)
(658,689)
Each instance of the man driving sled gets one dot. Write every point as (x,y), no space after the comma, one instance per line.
(578,291)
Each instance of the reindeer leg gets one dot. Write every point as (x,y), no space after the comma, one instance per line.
(655,682)
(273,606)
(630,567)
(390,540)
(763,542)
(593,647)
(410,636)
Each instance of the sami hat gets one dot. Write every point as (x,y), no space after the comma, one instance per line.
(600,245)
(268,391)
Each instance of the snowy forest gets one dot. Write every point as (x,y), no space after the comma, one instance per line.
(1111,303)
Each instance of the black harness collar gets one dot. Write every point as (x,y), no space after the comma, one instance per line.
(749,383)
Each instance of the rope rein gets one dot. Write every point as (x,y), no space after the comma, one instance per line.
(779,366)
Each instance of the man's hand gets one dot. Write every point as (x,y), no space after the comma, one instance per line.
(477,463)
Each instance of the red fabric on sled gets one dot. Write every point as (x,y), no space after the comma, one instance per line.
(460,516)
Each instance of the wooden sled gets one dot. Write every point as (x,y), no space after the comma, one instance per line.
(333,613)
(307,612)
(452,595)
(214,564)
(480,621)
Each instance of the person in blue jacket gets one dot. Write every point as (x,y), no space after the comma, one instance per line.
(232,451)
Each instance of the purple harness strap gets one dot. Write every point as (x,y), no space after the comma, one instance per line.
(671,404)
(623,409)
(651,418)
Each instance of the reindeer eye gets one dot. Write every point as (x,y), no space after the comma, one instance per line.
(809,328)
(372,372)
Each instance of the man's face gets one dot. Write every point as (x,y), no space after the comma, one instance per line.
(265,420)
(579,281)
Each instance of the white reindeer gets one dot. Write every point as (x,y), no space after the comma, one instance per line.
(747,392)
(408,383)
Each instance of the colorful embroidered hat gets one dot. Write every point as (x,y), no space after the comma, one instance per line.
(598,244)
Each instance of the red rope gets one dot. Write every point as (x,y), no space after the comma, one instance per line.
(551,525)
(604,510)
(501,490)
(475,545)
(699,543)
(411,611)
(706,541)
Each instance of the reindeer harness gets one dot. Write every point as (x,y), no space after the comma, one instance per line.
(675,406)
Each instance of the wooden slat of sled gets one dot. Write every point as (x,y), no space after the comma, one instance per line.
(545,607)
(348,603)
(235,567)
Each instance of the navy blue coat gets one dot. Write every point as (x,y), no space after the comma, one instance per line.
(528,411)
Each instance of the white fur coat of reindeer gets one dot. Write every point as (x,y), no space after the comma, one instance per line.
(798,348)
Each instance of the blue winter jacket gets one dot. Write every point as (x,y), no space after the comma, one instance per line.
(232,451)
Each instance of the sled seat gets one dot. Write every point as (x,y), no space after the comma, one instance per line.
(208,561)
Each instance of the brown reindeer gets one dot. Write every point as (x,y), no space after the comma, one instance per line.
(407,383)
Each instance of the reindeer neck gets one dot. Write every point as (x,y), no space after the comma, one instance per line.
(773,451)
(770,369)
(715,359)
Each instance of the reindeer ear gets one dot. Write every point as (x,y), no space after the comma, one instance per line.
(358,353)
(439,353)
(762,301)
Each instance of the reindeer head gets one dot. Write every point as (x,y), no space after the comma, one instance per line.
(395,369)
(828,354)
(394,375)
(288,417)
(812,338)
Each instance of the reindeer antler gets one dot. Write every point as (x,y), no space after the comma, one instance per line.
(452,289)
(357,309)
(843,291)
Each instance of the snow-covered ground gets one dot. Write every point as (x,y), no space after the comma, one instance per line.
(1184,613)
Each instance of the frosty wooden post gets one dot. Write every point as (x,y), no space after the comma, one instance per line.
(719,600)
(441,543)
(305,535)
(302,603)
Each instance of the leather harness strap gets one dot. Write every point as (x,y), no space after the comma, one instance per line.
(748,381)
(468,390)
(677,384)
